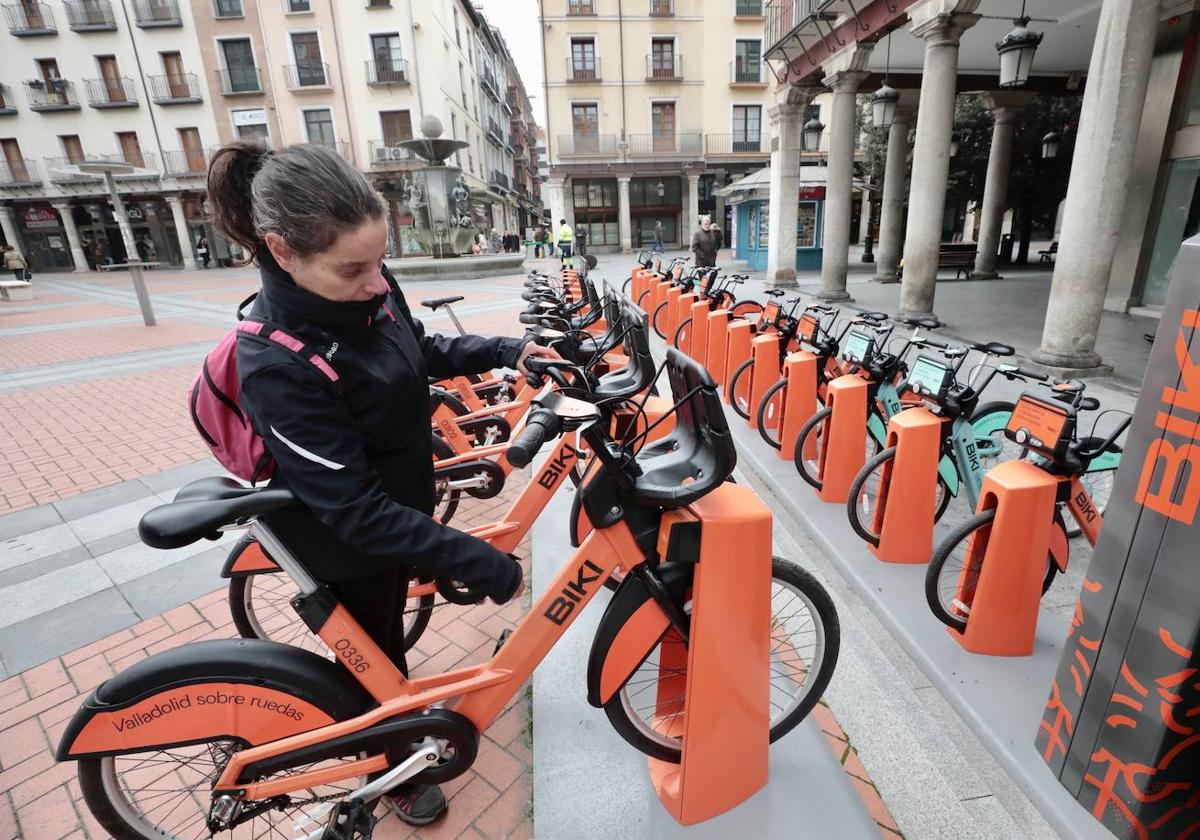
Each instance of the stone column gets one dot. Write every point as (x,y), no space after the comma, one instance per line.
(1004,110)
(940,24)
(839,195)
(891,212)
(623,221)
(68,221)
(787,124)
(181,231)
(691,213)
(556,200)
(8,224)
(1108,126)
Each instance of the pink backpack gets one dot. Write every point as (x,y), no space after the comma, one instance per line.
(216,406)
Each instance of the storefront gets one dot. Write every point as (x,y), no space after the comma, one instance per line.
(656,199)
(596,212)
(751,215)
(44,239)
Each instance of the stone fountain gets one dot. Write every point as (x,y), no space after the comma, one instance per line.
(436,194)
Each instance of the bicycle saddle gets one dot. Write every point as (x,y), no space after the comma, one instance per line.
(775,292)
(874,316)
(434,303)
(929,322)
(995,348)
(203,507)
(954,352)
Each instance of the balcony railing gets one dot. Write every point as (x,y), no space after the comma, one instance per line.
(583,70)
(735,144)
(662,8)
(664,68)
(90,16)
(310,74)
(394,71)
(240,81)
(494,132)
(111,93)
(183,164)
(53,164)
(58,95)
(581,7)
(175,89)
(748,8)
(228,9)
(487,80)
(151,14)
(19,173)
(746,73)
(587,145)
(509,103)
(30,19)
(498,180)
(385,153)
(8,105)
(783,16)
(687,143)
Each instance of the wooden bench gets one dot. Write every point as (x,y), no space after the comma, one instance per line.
(16,290)
(1048,254)
(957,255)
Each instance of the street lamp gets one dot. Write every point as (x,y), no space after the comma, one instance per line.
(1050,145)
(883,106)
(953,143)
(661,189)
(812,135)
(108,168)
(1016,52)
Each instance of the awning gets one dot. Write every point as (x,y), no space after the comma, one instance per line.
(757,185)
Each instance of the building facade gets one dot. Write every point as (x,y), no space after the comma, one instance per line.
(161,83)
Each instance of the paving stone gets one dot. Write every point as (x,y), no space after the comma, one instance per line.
(30,519)
(42,594)
(176,584)
(104,499)
(58,631)
(26,548)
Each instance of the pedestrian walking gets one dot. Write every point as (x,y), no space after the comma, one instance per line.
(539,242)
(14,261)
(566,240)
(658,237)
(202,249)
(706,242)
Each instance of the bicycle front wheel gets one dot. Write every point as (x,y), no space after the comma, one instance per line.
(748,309)
(659,320)
(805,639)
(865,497)
(739,389)
(683,336)
(770,410)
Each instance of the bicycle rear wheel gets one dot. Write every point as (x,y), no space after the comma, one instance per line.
(683,335)
(739,389)
(805,638)
(748,309)
(769,410)
(659,320)
(864,498)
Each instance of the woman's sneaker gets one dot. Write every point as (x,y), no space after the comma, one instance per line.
(417,804)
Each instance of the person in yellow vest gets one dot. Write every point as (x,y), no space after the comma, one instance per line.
(566,242)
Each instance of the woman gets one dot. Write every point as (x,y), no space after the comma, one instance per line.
(358,453)
(14,262)
(202,249)
(706,242)
(658,237)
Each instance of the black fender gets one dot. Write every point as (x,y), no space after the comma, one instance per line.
(631,626)
(249,690)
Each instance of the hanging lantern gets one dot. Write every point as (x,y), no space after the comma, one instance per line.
(883,106)
(1050,145)
(661,189)
(1016,53)
(953,143)
(812,135)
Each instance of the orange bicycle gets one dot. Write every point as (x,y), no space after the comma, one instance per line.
(245,736)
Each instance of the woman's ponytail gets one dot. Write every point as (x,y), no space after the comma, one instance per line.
(230,177)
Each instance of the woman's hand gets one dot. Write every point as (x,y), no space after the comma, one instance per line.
(532,348)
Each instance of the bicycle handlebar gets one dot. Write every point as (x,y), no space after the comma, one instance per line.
(543,425)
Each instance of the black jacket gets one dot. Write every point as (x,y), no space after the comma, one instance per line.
(358,453)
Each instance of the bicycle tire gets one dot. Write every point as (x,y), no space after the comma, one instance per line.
(742,409)
(687,324)
(807,466)
(856,512)
(771,436)
(660,311)
(792,577)
(642,297)
(941,554)
(746,309)
(1003,410)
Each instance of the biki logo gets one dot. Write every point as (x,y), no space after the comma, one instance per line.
(557,466)
(560,608)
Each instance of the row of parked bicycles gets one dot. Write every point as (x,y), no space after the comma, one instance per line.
(906,368)
(298,727)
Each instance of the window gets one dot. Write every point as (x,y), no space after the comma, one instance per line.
(177,81)
(583,58)
(298,6)
(131,150)
(228,8)
(747,128)
(112,85)
(595,203)
(193,152)
(585,126)
(385,50)
(806,225)
(239,65)
(397,126)
(644,192)
(310,70)
(662,126)
(17,170)
(747,64)
(581,7)
(462,84)
(457,35)
(318,125)
(48,69)
(662,58)
(71,147)
(251,123)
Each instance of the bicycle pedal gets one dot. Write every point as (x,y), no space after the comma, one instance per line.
(503,638)
(350,821)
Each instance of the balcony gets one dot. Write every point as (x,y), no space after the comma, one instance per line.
(788,19)
(748,8)
(54,164)
(8,105)
(143,160)
(185,164)
(583,70)
(509,103)
(181,89)
(662,8)
(59,95)
(111,93)
(90,16)
(385,154)
(19,173)
(494,132)
(487,81)
(311,75)
(156,14)
(738,145)
(664,68)
(228,9)
(581,8)
(684,144)
(28,19)
(394,71)
(746,73)
(240,81)
(497,180)
(587,145)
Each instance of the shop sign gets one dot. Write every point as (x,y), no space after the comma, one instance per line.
(253,116)
(55,242)
(135,213)
(39,217)
(812,193)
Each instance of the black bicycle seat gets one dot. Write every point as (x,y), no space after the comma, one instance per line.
(995,348)
(434,303)
(874,316)
(775,292)
(203,507)
(954,352)
(929,322)
(1089,404)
